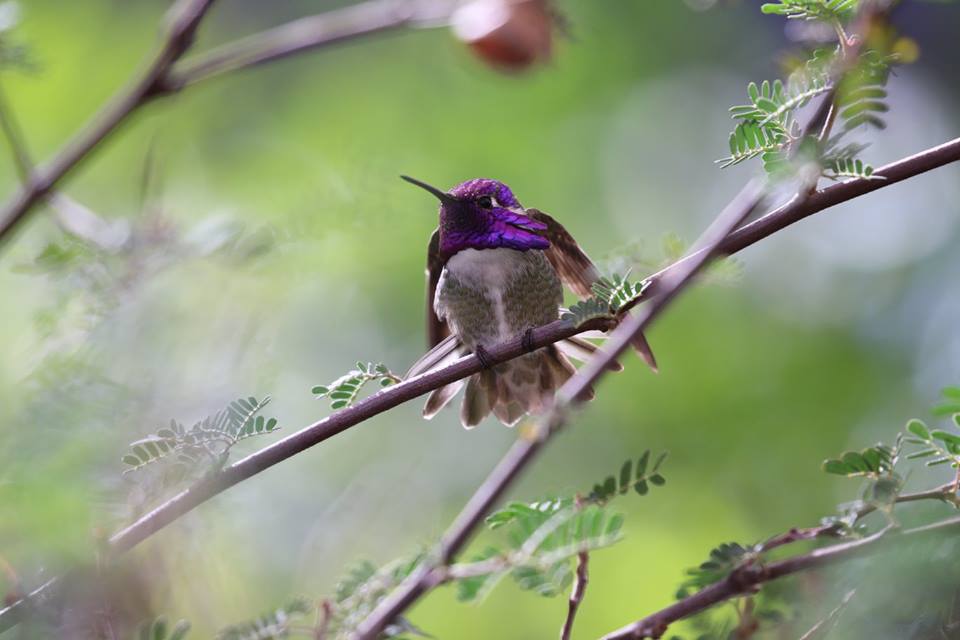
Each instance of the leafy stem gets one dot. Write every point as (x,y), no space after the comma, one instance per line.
(344,391)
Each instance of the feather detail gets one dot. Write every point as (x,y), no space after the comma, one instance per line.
(444,353)
(440,398)
(581,350)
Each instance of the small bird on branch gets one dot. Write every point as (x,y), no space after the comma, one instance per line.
(495,271)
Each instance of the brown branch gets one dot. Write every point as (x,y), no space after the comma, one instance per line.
(748,577)
(306,34)
(655,625)
(390,397)
(576,595)
(534,437)
(183,21)
(73,217)
(945,492)
(802,207)
(166,75)
(670,283)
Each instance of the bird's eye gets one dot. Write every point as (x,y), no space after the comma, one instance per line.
(485,201)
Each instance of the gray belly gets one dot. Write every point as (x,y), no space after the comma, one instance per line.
(491,295)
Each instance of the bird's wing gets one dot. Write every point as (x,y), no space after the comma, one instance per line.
(437,329)
(574,267)
(444,353)
(578,272)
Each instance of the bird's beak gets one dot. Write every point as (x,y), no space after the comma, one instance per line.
(442,196)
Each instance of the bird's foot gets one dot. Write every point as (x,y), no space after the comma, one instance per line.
(486,360)
(527,341)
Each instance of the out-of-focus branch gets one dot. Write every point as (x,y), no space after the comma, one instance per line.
(747,577)
(14,136)
(580,579)
(166,74)
(73,217)
(306,34)
(183,21)
(945,492)
(656,624)
(824,626)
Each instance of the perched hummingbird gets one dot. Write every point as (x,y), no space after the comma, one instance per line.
(494,271)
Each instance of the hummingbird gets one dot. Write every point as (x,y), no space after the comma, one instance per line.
(495,271)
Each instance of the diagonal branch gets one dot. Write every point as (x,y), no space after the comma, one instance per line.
(73,217)
(390,397)
(747,577)
(306,34)
(529,445)
(671,282)
(166,74)
(656,624)
(183,21)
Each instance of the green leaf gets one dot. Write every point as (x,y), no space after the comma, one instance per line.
(855,461)
(946,437)
(837,467)
(919,429)
(625,472)
(642,464)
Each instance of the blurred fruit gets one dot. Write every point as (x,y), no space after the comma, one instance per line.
(509,35)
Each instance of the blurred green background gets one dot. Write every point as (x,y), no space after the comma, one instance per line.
(277,246)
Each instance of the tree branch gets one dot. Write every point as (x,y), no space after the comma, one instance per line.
(390,397)
(183,20)
(576,595)
(747,577)
(166,75)
(306,34)
(945,492)
(670,283)
(534,437)
(73,217)
(802,207)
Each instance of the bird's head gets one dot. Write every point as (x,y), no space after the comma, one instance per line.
(483,214)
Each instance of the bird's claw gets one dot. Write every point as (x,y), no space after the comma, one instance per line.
(483,356)
(527,341)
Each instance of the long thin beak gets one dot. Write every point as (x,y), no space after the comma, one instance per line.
(442,196)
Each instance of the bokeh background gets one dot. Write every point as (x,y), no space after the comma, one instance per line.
(277,246)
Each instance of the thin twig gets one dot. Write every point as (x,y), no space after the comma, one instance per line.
(581,577)
(324,614)
(14,135)
(390,397)
(746,578)
(184,19)
(826,624)
(73,217)
(166,74)
(306,34)
(657,623)
(944,492)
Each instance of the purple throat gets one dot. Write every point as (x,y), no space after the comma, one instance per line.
(470,226)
